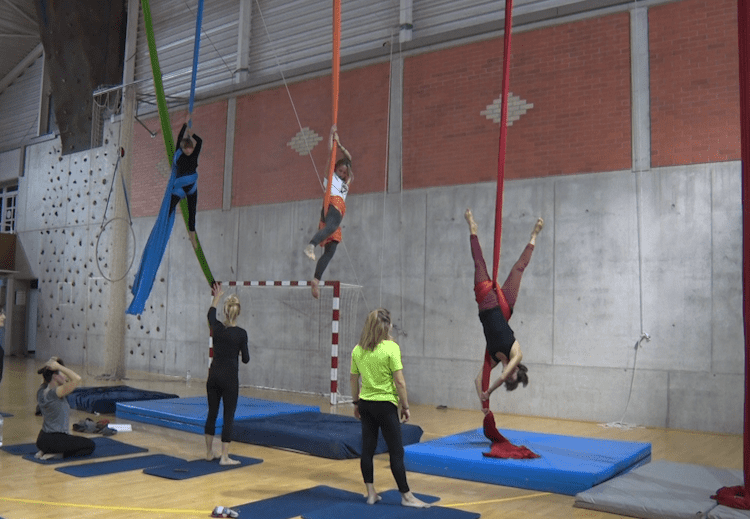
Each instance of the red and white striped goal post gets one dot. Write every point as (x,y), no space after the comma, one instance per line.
(335,308)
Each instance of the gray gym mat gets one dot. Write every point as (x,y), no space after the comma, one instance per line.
(725,512)
(663,490)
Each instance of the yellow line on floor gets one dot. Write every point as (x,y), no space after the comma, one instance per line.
(104,507)
(503,500)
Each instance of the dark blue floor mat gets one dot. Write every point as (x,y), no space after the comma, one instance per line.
(388,508)
(195,468)
(297,503)
(104,447)
(320,434)
(103,399)
(102,468)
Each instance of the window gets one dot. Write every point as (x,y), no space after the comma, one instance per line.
(8,196)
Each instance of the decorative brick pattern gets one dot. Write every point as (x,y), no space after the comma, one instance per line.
(577,76)
(304,142)
(268,169)
(516,108)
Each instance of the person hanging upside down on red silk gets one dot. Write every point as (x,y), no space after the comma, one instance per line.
(495,309)
(329,233)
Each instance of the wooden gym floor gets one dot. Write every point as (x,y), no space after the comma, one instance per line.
(33,491)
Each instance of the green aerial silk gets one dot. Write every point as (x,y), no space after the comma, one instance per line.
(161,103)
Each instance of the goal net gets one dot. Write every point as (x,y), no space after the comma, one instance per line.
(299,343)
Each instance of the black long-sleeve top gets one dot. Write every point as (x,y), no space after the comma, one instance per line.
(229,343)
(187,164)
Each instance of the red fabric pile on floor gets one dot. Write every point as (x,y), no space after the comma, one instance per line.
(501,447)
(735,497)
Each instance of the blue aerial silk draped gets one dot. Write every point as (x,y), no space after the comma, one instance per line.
(159,237)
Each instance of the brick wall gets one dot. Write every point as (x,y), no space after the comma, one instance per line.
(694,82)
(577,77)
(267,170)
(573,80)
(148,184)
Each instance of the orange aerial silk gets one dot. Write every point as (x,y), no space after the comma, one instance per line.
(335,71)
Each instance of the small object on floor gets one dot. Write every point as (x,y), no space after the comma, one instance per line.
(223,511)
(87,425)
(103,428)
(442,407)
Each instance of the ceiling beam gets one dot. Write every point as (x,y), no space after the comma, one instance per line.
(20,12)
(30,58)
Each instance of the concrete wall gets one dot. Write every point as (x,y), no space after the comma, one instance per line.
(620,254)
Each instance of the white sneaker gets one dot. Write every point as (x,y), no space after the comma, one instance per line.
(310,251)
(223,511)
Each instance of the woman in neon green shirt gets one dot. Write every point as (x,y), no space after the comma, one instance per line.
(377,361)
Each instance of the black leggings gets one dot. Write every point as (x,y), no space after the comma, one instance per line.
(332,221)
(384,416)
(328,252)
(66,444)
(221,385)
(192,201)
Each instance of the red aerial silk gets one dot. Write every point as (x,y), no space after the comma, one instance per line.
(501,447)
(739,496)
(500,175)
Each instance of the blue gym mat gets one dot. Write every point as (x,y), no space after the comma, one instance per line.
(332,503)
(189,414)
(296,503)
(388,508)
(102,399)
(320,434)
(101,468)
(567,464)
(195,468)
(105,447)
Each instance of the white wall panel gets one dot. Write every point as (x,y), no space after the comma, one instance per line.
(434,17)
(299,33)
(174,34)
(19,106)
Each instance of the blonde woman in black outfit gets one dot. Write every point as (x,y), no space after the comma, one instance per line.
(230,341)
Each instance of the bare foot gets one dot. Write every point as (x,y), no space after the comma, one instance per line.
(52,456)
(315,288)
(537,229)
(310,251)
(372,499)
(193,239)
(470,220)
(408,499)
(228,461)
(210,456)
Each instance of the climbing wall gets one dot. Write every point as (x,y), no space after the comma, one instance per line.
(64,209)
